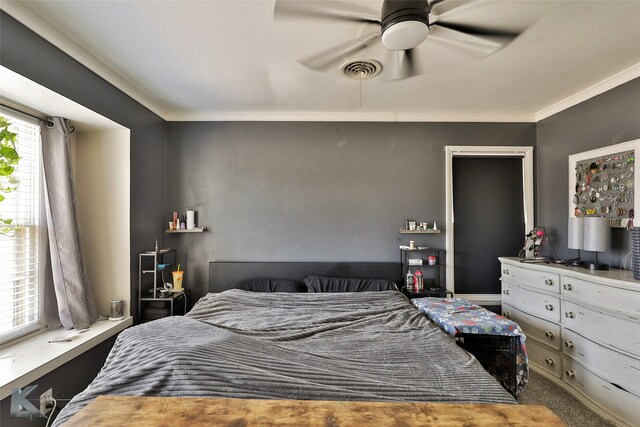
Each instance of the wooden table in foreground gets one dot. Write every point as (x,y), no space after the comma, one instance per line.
(178,411)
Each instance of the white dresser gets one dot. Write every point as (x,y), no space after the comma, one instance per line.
(583,329)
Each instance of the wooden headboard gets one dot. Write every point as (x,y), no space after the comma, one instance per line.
(224,275)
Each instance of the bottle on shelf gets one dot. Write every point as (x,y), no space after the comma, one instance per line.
(409,280)
(418,281)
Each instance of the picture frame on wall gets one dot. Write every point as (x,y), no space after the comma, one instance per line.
(602,183)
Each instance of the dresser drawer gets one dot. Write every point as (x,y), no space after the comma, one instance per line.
(618,332)
(545,358)
(619,402)
(609,364)
(615,299)
(506,271)
(534,327)
(536,303)
(549,282)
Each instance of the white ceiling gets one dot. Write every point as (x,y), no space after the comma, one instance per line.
(229,60)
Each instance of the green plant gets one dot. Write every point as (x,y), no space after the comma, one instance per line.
(8,161)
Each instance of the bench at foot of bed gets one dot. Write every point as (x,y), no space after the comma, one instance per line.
(497,342)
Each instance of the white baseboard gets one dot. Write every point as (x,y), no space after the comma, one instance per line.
(482,299)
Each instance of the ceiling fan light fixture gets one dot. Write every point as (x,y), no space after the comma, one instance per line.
(405,35)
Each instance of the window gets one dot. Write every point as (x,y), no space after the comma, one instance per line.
(20,254)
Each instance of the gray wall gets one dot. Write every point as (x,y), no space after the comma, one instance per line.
(610,118)
(311,191)
(31,56)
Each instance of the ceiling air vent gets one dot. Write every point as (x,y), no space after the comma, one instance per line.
(360,69)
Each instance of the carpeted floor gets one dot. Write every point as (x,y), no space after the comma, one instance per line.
(541,391)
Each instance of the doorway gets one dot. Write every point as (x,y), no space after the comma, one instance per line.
(489,209)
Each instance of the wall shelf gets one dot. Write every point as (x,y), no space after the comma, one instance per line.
(193,230)
(419,231)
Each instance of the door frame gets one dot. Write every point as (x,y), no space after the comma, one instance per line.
(523,152)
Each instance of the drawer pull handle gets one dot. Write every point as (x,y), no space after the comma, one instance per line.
(570,315)
(547,282)
(549,307)
(549,335)
(504,271)
(506,292)
(569,344)
(568,287)
(549,362)
(507,314)
(570,373)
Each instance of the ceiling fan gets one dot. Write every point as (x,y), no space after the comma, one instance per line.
(401,26)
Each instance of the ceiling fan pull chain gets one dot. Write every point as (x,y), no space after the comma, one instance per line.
(360,80)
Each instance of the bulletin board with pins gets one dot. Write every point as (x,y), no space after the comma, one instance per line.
(602,183)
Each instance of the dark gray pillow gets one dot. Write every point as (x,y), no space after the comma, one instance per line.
(342,284)
(264,284)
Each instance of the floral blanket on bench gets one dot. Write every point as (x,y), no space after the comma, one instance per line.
(458,316)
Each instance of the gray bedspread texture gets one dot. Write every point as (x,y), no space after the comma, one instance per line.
(368,346)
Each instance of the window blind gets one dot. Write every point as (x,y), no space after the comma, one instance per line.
(20,253)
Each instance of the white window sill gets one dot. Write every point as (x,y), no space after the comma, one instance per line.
(28,360)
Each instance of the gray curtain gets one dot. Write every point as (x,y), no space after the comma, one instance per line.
(67,298)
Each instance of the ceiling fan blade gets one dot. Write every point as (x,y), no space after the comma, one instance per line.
(335,55)
(476,30)
(331,10)
(404,64)
(443,7)
(477,46)
(408,67)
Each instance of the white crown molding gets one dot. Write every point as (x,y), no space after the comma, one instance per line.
(21,13)
(461,117)
(335,116)
(609,83)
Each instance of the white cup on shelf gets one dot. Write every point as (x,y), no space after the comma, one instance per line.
(191,220)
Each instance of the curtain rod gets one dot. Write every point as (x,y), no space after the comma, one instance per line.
(22,109)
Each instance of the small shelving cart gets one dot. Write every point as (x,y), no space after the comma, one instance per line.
(151,268)
(432,273)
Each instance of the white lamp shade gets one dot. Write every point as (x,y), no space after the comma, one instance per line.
(576,233)
(597,234)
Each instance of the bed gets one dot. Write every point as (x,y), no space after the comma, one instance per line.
(359,346)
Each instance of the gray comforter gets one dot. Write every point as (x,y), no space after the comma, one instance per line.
(370,346)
